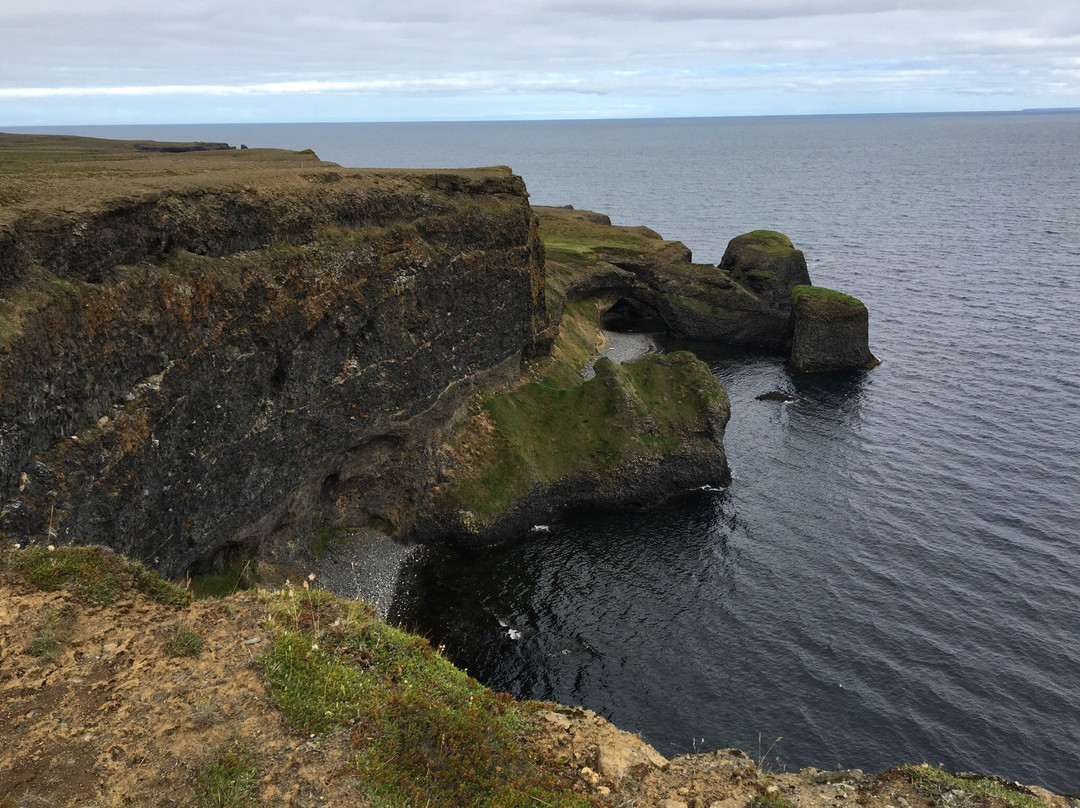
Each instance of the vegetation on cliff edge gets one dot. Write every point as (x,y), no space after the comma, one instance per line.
(561,426)
(422,732)
(819,295)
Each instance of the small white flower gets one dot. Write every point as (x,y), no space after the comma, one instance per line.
(51,547)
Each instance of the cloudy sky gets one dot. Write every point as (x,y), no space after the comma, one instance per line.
(146,61)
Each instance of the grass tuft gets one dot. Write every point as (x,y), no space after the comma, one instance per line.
(228,782)
(95,575)
(770,798)
(184,640)
(57,627)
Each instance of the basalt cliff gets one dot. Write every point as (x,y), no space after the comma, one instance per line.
(210,354)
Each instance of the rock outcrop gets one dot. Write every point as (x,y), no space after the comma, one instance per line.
(654,283)
(831,331)
(650,284)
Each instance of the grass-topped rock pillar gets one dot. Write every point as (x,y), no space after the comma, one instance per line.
(831,331)
(766,263)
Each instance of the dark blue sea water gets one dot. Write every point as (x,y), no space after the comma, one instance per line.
(894,574)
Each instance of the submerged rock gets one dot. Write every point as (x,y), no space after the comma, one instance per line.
(776,395)
(831,331)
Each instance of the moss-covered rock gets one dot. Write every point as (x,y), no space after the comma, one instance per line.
(831,331)
(633,436)
(766,263)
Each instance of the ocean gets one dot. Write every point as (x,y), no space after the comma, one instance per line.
(894,573)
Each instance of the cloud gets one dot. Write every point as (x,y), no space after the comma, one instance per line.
(637,49)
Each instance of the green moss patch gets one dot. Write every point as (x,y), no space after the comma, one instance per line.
(543,432)
(769,240)
(93,574)
(819,295)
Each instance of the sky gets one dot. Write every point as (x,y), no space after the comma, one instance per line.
(237,61)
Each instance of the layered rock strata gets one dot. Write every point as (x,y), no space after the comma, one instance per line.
(206,355)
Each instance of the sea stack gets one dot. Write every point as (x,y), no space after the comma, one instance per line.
(831,331)
(766,263)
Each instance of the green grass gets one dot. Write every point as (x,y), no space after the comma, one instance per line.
(183,640)
(578,342)
(220,585)
(424,732)
(985,789)
(544,431)
(560,425)
(93,574)
(819,295)
(57,626)
(576,242)
(229,781)
(771,240)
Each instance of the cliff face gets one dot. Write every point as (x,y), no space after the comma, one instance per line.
(831,331)
(203,354)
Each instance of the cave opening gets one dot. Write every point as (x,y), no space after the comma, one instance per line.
(629,315)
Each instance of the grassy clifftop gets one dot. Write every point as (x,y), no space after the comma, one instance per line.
(634,434)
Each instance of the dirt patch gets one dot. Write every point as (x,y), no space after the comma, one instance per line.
(114,718)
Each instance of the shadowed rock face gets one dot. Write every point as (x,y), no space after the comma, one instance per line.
(831,331)
(303,368)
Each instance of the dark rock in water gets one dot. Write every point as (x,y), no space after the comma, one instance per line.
(831,331)
(776,395)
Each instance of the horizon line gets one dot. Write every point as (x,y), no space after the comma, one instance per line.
(1018,111)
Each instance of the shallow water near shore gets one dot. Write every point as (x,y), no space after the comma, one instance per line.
(894,573)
